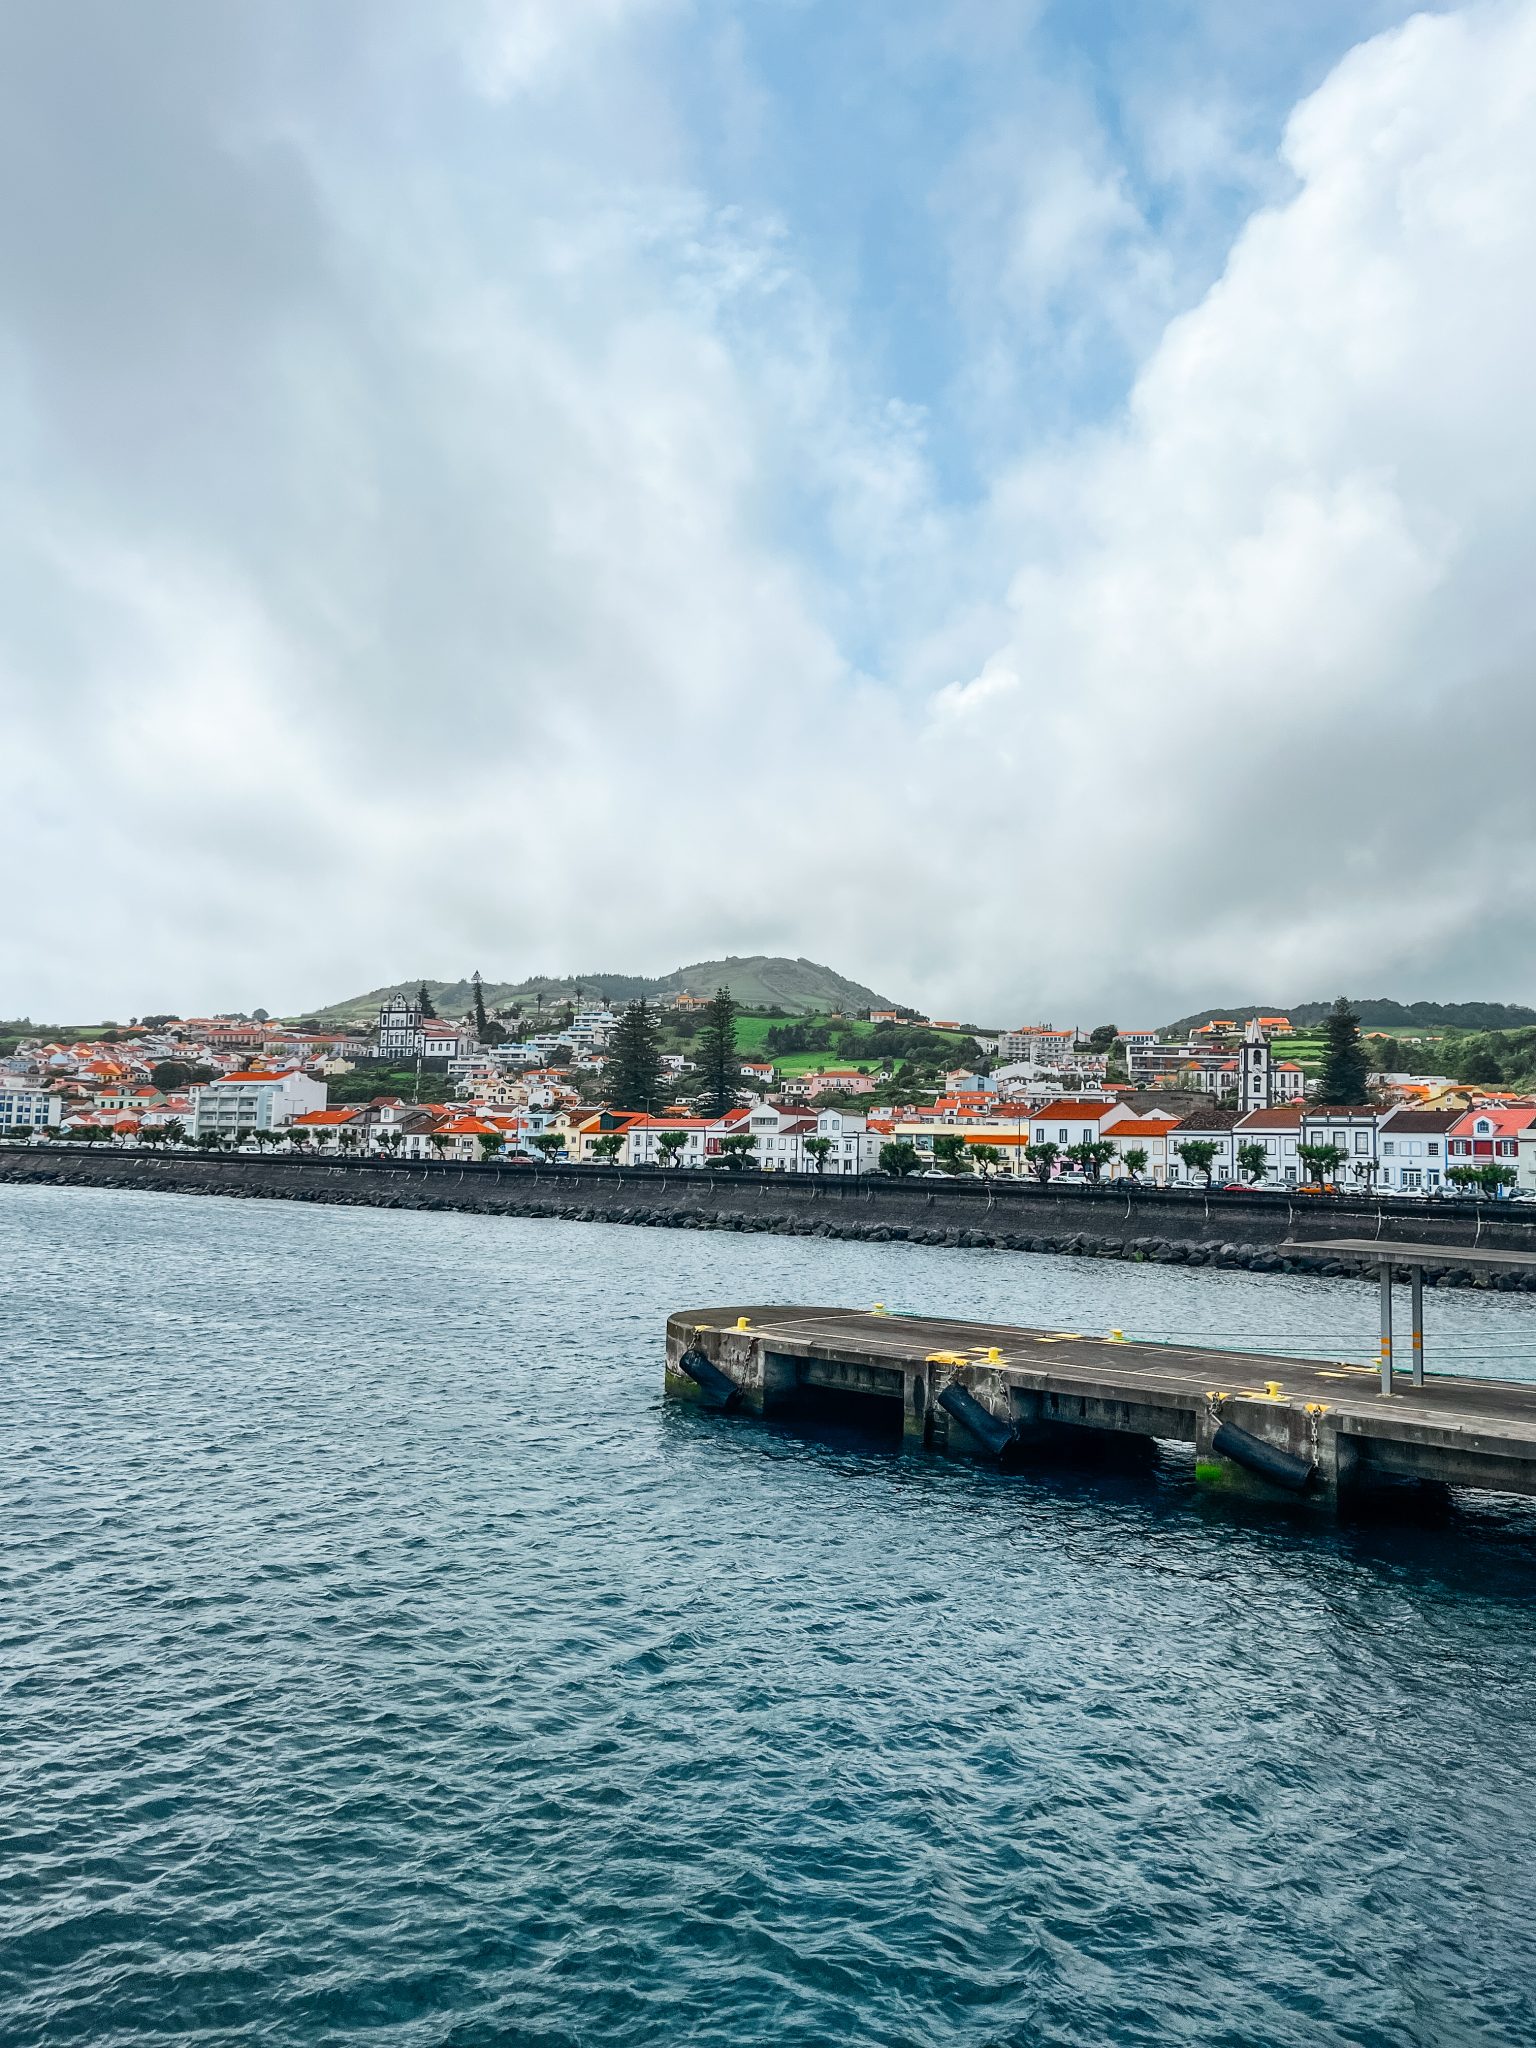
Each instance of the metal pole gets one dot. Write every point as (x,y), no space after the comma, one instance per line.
(1386,1327)
(1417,1276)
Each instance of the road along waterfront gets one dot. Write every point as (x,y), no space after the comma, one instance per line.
(384,1660)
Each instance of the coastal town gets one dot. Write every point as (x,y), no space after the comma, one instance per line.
(1224,1105)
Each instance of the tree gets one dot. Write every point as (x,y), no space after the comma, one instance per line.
(175,1131)
(609,1146)
(1321,1161)
(480,1018)
(152,1135)
(1091,1156)
(736,1151)
(899,1157)
(1198,1155)
(549,1143)
(1487,1179)
(490,1143)
(1134,1160)
(171,1076)
(949,1152)
(424,1002)
(1102,1037)
(983,1157)
(298,1141)
(1479,1063)
(819,1149)
(1042,1160)
(670,1143)
(632,1077)
(719,1060)
(439,1141)
(1252,1160)
(1344,1064)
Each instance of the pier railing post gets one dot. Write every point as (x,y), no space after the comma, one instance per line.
(1416,1275)
(1386,1326)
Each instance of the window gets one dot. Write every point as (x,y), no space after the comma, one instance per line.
(1434,1148)
(1411,1176)
(1362,1141)
(1388,1148)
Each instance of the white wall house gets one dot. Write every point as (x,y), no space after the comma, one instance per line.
(1278,1130)
(26,1107)
(1413,1149)
(855,1147)
(254,1102)
(1355,1132)
(642,1141)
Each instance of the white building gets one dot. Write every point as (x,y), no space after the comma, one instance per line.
(1354,1132)
(1413,1149)
(855,1147)
(642,1141)
(1040,1044)
(24,1106)
(242,1103)
(398,1034)
(1278,1130)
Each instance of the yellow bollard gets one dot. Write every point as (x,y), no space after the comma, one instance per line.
(1117,1336)
(1272,1388)
(879,1309)
(743,1323)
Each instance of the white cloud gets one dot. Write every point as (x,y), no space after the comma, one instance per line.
(435,540)
(1271,638)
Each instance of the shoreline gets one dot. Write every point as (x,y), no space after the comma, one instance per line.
(1240,1232)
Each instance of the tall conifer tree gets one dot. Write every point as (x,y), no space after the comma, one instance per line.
(1345,1068)
(633,1076)
(479,1008)
(718,1059)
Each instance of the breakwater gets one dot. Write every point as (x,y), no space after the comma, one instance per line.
(1171,1226)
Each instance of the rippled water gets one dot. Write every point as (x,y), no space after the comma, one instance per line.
(380,1660)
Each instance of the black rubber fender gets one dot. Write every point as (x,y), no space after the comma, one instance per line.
(718,1388)
(988,1428)
(1283,1468)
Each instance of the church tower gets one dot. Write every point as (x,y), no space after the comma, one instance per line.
(1254,1085)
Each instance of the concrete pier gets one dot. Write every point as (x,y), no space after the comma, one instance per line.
(1272,1426)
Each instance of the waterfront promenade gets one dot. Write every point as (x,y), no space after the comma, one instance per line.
(1254,1230)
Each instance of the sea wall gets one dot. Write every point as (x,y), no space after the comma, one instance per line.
(1171,1226)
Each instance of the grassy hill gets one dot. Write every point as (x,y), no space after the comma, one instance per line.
(758,981)
(1379,1013)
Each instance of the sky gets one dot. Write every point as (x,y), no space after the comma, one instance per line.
(1030,502)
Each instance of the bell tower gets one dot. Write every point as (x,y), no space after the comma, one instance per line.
(1255,1087)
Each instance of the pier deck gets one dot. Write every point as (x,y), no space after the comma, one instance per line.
(982,1389)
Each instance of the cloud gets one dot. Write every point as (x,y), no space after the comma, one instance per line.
(1267,635)
(443,530)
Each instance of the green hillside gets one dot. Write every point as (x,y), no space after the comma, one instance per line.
(758,981)
(1377,1013)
